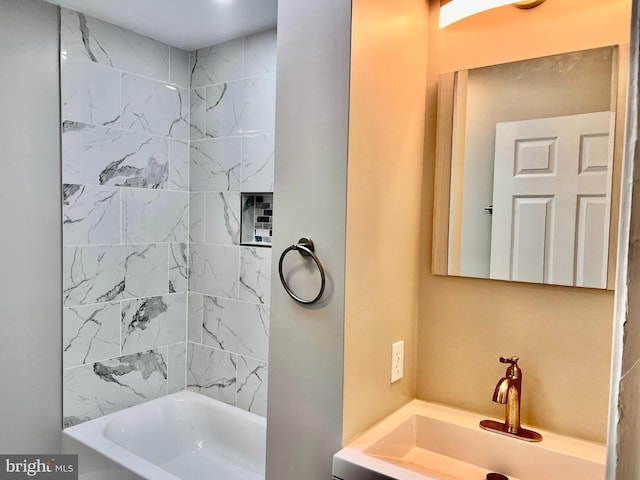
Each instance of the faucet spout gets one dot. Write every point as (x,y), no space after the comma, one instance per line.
(500,394)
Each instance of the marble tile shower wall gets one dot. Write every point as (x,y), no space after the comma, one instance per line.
(125,163)
(231,151)
(133,142)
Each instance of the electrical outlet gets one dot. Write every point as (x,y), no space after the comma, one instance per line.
(397,360)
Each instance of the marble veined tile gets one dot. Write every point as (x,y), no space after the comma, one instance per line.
(152,322)
(196,217)
(215,164)
(259,53)
(194,317)
(217,63)
(178,267)
(252,382)
(93,390)
(213,270)
(153,107)
(237,327)
(96,155)
(179,68)
(87,38)
(90,214)
(255,274)
(96,274)
(258,162)
(211,372)
(90,93)
(198,112)
(179,161)
(241,107)
(154,216)
(90,333)
(177,367)
(93,274)
(222,221)
(146,271)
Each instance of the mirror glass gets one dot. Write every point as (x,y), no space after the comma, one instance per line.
(532,148)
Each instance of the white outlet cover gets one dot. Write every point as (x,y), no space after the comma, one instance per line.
(397,360)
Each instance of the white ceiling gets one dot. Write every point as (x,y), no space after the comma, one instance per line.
(186,24)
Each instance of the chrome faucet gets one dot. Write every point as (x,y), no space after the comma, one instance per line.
(508,391)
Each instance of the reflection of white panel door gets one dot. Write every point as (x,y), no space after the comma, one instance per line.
(551,200)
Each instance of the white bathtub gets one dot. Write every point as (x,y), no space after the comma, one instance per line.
(183,436)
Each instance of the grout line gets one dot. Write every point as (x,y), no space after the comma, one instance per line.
(159,191)
(124,244)
(124,71)
(234,80)
(121,300)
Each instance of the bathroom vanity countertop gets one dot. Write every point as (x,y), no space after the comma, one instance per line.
(433,442)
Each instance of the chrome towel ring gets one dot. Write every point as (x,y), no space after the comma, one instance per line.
(306,249)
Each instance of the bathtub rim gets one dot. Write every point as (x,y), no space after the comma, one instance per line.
(92,435)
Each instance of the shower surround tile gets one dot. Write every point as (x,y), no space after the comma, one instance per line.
(198,112)
(90,215)
(194,320)
(178,267)
(179,68)
(196,217)
(179,161)
(215,164)
(177,367)
(259,53)
(252,380)
(258,162)
(153,107)
(222,221)
(96,274)
(217,63)
(237,327)
(241,107)
(142,144)
(90,93)
(152,322)
(93,390)
(213,270)
(90,333)
(211,372)
(255,274)
(93,40)
(96,155)
(154,216)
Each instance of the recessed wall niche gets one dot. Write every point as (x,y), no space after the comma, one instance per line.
(257,219)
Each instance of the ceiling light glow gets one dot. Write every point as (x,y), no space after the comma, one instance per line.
(453,10)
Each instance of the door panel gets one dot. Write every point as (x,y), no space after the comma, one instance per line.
(551,200)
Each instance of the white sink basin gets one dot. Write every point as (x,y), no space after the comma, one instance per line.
(428,441)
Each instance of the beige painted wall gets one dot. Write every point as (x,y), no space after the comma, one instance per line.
(563,335)
(386,135)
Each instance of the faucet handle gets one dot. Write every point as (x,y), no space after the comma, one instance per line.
(512,360)
(513,370)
